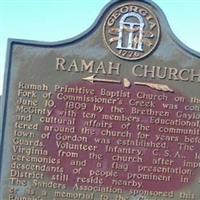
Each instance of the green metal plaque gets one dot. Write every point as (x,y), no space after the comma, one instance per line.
(110,115)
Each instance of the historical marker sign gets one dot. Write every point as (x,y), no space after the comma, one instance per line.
(112,114)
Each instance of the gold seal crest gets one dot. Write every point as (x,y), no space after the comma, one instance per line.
(131,31)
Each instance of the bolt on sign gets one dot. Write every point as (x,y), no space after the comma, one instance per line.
(110,115)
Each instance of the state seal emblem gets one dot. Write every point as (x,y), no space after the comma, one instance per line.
(131,31)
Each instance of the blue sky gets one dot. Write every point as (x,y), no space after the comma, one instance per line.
(54,20)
